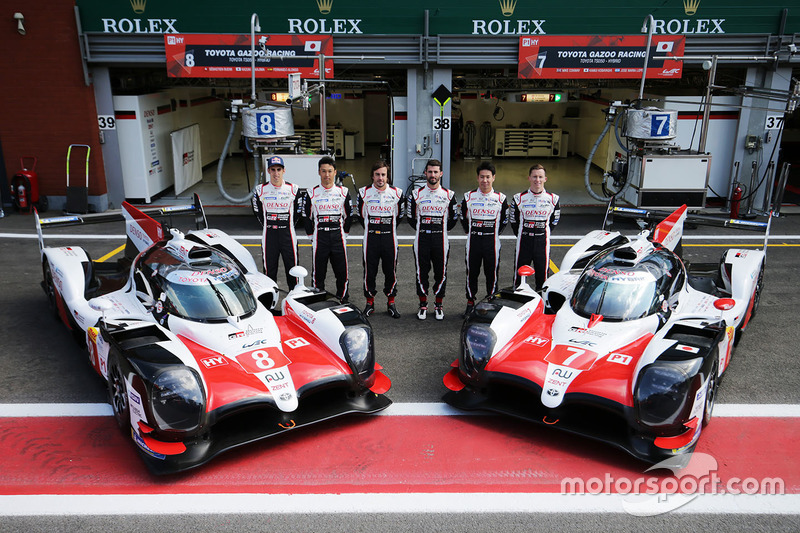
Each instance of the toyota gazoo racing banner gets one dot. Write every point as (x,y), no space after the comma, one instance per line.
(598,56)
(206,55)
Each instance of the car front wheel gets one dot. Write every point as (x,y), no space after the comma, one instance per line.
(711,393)
(118,392)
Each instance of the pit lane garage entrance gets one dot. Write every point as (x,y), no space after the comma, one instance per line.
(438,45)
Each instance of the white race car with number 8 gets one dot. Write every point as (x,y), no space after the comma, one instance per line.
(183,329)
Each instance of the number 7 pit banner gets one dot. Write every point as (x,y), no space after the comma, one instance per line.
(228,56)
(596,57)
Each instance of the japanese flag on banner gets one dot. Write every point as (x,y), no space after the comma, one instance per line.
(665,46)
(313,46)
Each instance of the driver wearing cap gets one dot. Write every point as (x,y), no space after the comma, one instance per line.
(277,205)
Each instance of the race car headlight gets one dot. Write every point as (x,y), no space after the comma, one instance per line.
(662,393)
(177,399)
(477,343)
(356,343)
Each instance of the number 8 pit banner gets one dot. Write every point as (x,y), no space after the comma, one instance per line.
(599,57)
(228,56)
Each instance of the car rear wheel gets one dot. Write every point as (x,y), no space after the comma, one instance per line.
(711,393)
(757,293)
(118,392)
(49,288)
(756,299)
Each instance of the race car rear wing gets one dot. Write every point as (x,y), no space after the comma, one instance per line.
(653,215)
(194,209)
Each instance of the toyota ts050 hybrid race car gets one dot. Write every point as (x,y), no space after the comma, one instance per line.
(196,363)
(627,346)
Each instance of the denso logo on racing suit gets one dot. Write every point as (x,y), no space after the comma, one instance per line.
(534,213)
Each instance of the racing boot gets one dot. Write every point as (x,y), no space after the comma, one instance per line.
(392,310)
(422,314)
(439,312)
(470,307)
(369,308)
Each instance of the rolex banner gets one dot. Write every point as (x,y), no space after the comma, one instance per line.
(186,160)
(595,57)
(228,56)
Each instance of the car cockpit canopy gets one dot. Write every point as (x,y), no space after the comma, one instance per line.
(621,285)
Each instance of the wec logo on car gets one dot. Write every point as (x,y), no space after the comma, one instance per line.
(255,343)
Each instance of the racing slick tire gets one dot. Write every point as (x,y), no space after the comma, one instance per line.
(50,288)
(757,293)
(756,301)
(118,392)
(711,393)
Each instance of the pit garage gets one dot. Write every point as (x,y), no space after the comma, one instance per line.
(729,98)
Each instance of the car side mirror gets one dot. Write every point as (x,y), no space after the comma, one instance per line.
(100,304)
(524,272)
(724,304)
(300,273)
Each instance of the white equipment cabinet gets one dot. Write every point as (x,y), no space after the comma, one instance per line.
(668,180)
(301,169)
(144,123)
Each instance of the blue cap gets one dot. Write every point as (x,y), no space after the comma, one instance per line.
(275,161)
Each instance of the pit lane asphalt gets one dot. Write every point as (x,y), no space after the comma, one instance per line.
(39,363)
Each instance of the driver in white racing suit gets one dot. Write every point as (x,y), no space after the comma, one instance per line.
(534,213)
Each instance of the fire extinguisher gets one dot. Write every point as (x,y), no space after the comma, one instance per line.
(22,197)
(736,199)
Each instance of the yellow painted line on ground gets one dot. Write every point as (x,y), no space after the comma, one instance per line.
(553,266)
(111,254)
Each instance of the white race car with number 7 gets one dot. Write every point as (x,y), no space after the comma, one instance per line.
(196,360)
(627,345)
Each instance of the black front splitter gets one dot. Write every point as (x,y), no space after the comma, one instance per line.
(260,423)
(579,414)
